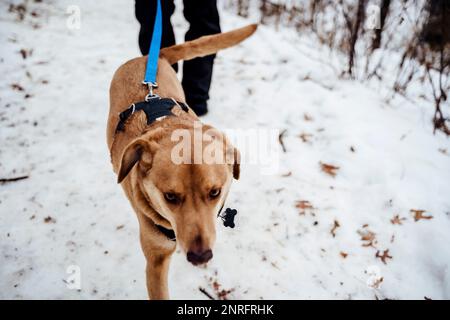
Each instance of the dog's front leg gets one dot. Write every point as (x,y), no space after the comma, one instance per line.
(157,272)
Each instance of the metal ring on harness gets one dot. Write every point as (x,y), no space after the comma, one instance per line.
(150,94)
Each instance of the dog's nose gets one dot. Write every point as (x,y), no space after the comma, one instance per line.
(197,258)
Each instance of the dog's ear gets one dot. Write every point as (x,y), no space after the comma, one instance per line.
(236,164)
(233,158)
(132,154)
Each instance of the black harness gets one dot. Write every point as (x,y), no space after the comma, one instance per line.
(154,108)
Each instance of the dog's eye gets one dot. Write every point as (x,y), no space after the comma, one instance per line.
(214,193)
(171,197)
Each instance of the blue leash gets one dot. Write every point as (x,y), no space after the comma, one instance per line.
(153,54)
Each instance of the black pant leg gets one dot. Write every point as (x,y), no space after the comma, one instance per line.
(145,11)
(203,18)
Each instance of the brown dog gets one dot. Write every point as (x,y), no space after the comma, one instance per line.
(169,198)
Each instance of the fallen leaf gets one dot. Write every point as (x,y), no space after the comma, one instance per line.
(418,215)
(329,169)
(376,283)
(368,237)
(16,86)
(397,220)
(307,117)
(25,53)
(288,174)
(303,205)
(49,220)
(384,256)
(305,136)
(343,254)
(335,226)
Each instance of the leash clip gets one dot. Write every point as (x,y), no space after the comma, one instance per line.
(151,86)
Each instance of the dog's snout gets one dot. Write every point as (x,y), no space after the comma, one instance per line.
(201,257)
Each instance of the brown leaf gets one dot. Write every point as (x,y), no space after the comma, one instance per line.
(418,215)
(49,220)
(368,237)
(16,86)
(287,174)
(303,205)
(305,136)
(329,169)
(335,226)
(25,53)
(397,220)
(307,117)
(383,256)
(343,254)
(222,294)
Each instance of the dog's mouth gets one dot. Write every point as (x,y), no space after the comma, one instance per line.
(199,258)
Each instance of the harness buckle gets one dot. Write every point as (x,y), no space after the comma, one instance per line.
(151,86)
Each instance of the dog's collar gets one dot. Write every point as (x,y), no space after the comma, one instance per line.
(169,233)
(154,108)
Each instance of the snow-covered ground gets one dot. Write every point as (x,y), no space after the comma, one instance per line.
(70,212)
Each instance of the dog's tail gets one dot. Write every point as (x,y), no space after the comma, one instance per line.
(206,45)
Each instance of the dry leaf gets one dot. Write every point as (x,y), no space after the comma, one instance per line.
(303,205)
(397,220)
(335,226)
(329,169)
(376,283)
(49,220)
(305,136)
(367,236)
(383,256)
(418,215)
(16,86)
(343,254)
(288,174)
(307,117)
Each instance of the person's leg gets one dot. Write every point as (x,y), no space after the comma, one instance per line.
(203,18)
(145,11)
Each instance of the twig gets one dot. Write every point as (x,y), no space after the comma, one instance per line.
(280,139)
(6,180)
(202,290)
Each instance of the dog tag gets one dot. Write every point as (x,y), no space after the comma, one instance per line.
(228,217)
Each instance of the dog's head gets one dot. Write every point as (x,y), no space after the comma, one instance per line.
(186,179)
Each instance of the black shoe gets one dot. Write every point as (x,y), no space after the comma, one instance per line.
(200,109)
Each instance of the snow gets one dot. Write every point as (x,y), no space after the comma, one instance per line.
(275,80)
